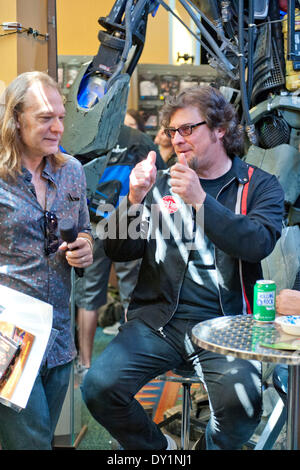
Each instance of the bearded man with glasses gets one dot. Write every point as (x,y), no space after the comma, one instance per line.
(224,216)
(39,188)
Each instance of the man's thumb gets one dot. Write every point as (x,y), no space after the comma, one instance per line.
(151,157)
(181,159)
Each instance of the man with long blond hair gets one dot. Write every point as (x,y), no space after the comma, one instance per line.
(39,187)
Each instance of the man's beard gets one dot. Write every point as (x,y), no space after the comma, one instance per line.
(194,164)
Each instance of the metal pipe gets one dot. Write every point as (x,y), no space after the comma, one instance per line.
(293,418)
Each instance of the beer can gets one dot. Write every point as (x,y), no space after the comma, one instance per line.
(264,301)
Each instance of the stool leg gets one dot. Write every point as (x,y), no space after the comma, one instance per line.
(185,420)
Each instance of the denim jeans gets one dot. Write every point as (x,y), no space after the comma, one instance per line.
(138,354)
(33,428)
(280,380)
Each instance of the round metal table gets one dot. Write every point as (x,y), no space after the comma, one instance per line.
(241,336)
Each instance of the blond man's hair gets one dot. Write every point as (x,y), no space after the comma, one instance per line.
(11,103)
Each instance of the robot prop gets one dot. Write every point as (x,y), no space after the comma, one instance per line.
(255,48)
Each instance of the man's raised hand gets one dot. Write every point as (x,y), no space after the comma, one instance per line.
(142,178)
(185,182)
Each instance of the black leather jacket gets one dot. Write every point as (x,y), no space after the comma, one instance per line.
(241,241)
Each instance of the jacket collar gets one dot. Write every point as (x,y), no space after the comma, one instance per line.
(240,170)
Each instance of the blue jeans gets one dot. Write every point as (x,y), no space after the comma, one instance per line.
(33,428)
(138,354)
(280,380)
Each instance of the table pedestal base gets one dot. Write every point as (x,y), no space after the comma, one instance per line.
(293,418)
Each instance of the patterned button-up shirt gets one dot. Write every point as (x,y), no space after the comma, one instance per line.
(23,263)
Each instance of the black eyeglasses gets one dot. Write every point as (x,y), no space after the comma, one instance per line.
(184,130)
(50,227)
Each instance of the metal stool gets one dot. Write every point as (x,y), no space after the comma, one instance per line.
(277,418)
(186,377)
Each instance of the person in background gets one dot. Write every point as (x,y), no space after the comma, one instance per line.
(91,290)
(287,303)
(39,187)
(166,148)
(134,119)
